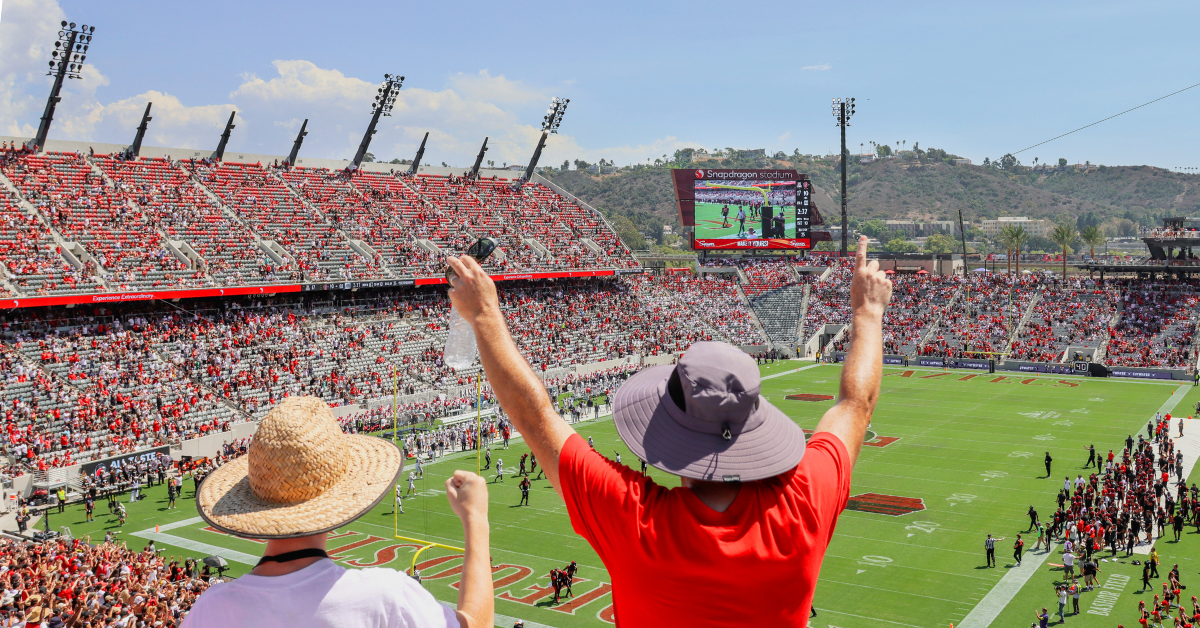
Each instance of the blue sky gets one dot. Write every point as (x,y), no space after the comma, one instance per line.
(644,79)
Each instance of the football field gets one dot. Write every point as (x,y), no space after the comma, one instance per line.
(708,221)
(951,456)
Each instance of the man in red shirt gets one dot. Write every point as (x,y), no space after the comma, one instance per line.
(756,504)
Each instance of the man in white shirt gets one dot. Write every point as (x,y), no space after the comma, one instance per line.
(302,479)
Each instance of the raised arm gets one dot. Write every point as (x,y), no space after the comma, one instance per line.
(870,291)
(518,389)
(468,497)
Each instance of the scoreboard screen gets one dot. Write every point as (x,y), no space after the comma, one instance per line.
(745,209)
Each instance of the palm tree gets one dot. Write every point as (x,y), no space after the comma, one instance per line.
(1020,237)
(1092,236)
(1063,235)
(1008,237)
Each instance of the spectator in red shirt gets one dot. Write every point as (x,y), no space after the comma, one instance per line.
(756,505)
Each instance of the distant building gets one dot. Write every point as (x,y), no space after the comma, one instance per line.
(1034,227)
(515,167)
(866,158)
(915,229)
(700,155)
(962,161)
(751,152)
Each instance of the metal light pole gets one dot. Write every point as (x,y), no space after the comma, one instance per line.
(550,124)
(66,62)
(385,98)
(843,108)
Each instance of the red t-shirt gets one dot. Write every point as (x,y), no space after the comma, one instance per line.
(676,562)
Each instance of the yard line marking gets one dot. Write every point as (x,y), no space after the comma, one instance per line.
(204,548)
(886,621)
(986,611)
(781,374)
(928,597)
(504,621)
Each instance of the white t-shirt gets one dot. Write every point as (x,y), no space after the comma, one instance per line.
(322,594)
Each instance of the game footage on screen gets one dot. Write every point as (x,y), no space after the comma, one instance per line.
(737,209)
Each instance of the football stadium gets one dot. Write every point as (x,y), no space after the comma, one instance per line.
(1031,440)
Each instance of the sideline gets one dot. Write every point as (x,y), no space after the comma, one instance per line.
(998,598)
(1003,593)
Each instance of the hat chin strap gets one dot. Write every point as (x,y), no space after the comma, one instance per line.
(287,557)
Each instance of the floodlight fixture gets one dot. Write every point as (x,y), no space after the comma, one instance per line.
(385,95)
(554,115)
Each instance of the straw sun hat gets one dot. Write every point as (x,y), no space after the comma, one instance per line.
(302,476)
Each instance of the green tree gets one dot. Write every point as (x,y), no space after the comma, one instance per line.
(1008,162)
(566,166)
(1008,237)
(1093,237)
(629,234)
(900,245)
(939,243)
(1020,237)
(368,157)
(1062,162)
(1063,235)
(873,228)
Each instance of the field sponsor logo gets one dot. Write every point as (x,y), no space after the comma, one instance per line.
(892,505)
(870,439)
(809,397)
(1108,595)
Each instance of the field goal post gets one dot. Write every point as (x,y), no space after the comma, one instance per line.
(426,544)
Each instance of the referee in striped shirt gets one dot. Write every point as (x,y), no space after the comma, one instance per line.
(989,544)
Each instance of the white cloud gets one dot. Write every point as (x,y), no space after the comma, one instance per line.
(484,86)
(818,68)
(270,109)
(27,36)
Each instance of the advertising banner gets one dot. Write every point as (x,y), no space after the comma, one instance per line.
(116,462)
(125,297)
(147,295)
(1123,372)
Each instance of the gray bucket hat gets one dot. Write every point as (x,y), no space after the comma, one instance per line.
(705,419)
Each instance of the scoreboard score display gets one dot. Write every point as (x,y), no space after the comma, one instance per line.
(745,209)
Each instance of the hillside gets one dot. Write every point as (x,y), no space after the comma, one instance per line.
(1118,197)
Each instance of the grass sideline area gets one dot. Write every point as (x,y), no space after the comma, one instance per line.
(952,456)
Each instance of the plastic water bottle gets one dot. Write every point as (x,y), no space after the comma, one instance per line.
(461,348)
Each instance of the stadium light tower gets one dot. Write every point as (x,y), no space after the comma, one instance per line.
(478,160)
(550,124)
(843,108)
(295,154)
(416,164)
(65,62)
(135,149)
(385,99)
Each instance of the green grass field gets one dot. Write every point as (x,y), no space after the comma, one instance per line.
(708,222)
(966,447)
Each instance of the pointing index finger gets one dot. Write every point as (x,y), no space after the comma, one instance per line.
(860,256)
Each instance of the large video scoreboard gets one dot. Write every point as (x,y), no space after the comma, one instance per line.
(745,209)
